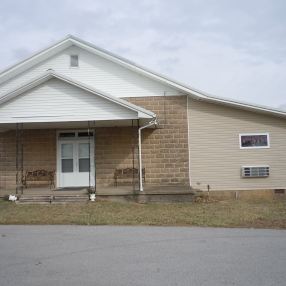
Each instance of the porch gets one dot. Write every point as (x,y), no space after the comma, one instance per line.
(25,150)
(151,193)
(71,161)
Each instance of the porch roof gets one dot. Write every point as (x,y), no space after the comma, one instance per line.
(54,98)
(75,124)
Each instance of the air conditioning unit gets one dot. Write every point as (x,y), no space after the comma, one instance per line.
(254,171)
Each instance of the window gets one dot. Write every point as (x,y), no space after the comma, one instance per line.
(67,158)
(255,140)
(74,61)
(83,157)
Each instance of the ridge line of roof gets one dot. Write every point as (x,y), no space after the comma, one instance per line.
(34,54)
(202,94)
(148,72)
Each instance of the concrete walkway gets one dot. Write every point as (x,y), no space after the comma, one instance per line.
(113,255)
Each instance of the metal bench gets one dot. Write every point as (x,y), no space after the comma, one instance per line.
(39,176)
(127,173)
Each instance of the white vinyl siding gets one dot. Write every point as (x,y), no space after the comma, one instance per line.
(59,101)
(96,72)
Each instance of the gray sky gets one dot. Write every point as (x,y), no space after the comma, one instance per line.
(228,48)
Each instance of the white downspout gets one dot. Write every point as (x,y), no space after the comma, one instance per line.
(153,122)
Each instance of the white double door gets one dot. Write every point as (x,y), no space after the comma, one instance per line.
(76,163)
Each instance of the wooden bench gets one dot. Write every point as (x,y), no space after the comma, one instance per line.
(127,173)
(39,176)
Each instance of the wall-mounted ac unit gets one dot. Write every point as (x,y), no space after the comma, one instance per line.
(254,171)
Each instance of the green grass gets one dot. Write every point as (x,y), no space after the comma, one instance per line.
(259,214)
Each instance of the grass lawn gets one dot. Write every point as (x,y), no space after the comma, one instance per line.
(259,214)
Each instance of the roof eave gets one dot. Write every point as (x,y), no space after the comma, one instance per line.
(243,106)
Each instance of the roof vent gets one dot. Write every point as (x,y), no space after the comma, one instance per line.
(74,61)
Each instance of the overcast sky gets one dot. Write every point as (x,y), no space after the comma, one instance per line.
(228,48)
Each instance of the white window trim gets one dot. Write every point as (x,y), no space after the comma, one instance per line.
(254,147)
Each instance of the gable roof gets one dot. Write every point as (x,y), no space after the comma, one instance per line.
(192,92)
(142,112)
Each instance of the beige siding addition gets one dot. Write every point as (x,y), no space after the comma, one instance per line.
(215,154)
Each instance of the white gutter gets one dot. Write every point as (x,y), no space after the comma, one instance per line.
(153,122)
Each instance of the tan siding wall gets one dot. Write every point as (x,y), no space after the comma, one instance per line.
(215,154)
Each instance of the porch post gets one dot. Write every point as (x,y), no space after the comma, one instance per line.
(133,155)
(89,167)
(19,158)
(138,126)
(94,160)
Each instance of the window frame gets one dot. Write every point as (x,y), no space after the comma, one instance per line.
(254,134)
(74,55)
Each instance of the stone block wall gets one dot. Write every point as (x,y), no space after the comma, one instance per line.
(165,151)
(39,153)
(115,148)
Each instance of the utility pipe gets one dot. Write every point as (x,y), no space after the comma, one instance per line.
(152,122)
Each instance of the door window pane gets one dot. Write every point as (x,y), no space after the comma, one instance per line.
(83,150)
(83,165)
(85,134)
(67,151)
(67,165)
(67,135)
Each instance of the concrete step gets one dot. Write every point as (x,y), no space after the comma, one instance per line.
(50,199)
(37,198)
(81,198)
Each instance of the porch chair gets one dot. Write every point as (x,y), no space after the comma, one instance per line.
(39,176)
